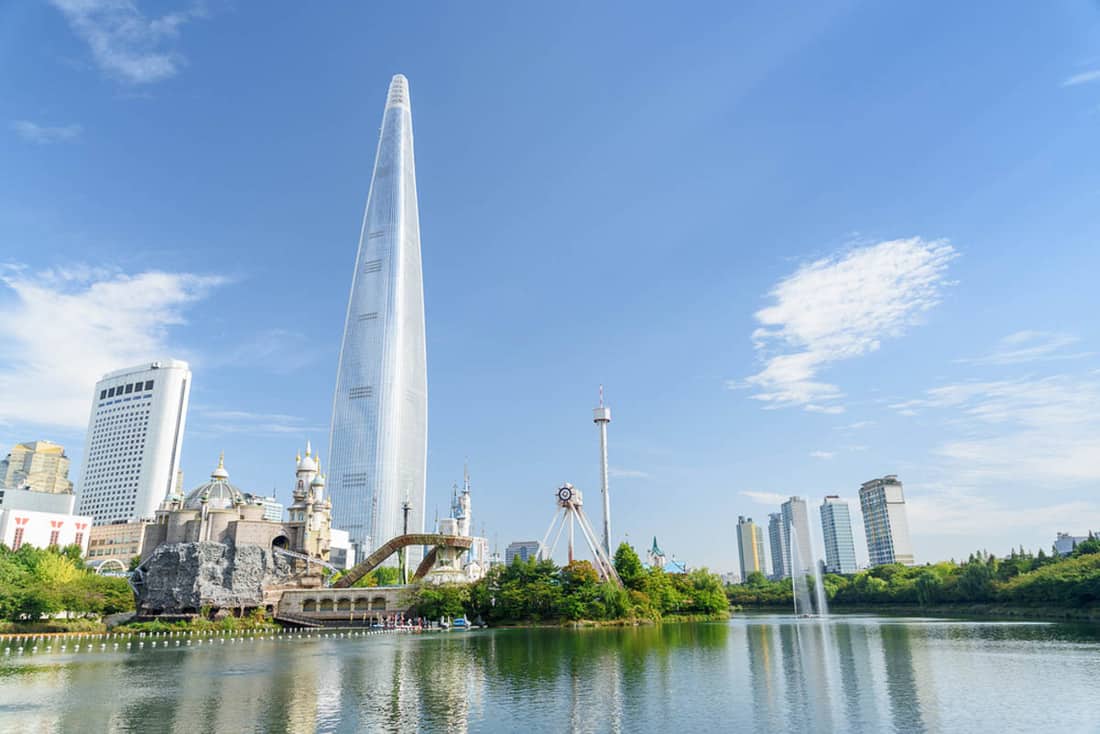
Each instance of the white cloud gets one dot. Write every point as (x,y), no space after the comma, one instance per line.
(124,42)
(961,514)
(626,473)
(854,426)
(1042,431)
(64,329)
(1030,346)
(32,132)
(217,421)
(766,498)
(839,308)
(1083,78)
(822,454)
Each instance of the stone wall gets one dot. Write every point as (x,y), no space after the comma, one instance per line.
(181,578)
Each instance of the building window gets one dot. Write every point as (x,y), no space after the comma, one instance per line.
(17,540)
(129,388)
(79,539)
(102,394)
(111,393)
(148,384)
(372,266)
(360,392)
(55,536)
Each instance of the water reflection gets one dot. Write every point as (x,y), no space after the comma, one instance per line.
(755,673)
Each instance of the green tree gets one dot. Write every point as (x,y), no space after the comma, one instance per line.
(629,566)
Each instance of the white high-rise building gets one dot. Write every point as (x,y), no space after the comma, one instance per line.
(885,521)
(379,440)
(135,434)
(836,528)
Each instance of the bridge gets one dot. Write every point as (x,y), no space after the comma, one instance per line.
(374,560)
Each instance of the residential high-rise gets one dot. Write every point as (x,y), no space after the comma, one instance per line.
(135,433)
(796,522)
(523,550)
(38,465)
(781,549)
(836,529)
(750,546)
(379,440)
(885,521)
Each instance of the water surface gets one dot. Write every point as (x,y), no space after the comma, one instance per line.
(755,673)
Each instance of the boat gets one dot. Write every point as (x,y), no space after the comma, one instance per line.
(460,623)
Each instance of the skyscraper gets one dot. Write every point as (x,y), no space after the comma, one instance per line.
(796,522)
(379,439)
(750,547)
(39,465)
(135,434)
(885,521)
(781,549)
(836,528)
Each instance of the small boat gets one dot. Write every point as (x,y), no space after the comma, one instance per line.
(460,623)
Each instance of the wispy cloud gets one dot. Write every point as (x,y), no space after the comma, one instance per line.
(32,132)
(1083,78)
(1030,346)
(280,351)
(214,421)
(854,426)
(766,498)
(125,43)
(619,473)
(822,454)
(1043,431)
(64,328)
(958,513)
(839,308)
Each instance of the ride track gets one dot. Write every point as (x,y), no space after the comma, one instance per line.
(375,559)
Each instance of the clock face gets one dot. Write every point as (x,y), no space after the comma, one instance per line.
(565,494)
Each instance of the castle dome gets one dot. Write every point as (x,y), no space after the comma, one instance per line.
(217,494)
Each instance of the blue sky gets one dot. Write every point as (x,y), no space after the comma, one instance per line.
(801,247)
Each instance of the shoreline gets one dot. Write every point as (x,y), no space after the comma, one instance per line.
(954,611)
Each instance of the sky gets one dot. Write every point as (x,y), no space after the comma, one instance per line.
(800,246)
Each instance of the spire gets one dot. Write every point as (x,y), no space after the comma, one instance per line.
(466,477)
(307,447)
(220,472)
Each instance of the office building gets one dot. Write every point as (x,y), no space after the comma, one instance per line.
(379,437)
(273,509)
(1064,543)
(121,542)
(524,550)
(38,465)
(781,550)
(135,434)
(836,529)
(885,521)
(750,547)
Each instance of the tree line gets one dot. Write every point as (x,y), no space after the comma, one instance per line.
(542,591)
(38,583)
(1020,579)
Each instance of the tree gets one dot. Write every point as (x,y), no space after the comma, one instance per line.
(629,566)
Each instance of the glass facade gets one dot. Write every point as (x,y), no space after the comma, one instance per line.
(885,521)
(836,529)
(379,438)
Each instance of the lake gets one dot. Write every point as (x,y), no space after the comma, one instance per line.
(755,673)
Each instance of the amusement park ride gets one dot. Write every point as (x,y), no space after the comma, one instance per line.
(570,512)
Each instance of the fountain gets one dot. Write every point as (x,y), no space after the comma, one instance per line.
(801,580)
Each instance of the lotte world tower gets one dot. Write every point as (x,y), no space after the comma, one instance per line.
(379,439)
